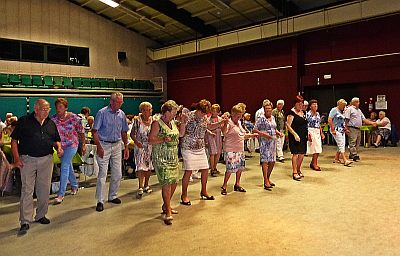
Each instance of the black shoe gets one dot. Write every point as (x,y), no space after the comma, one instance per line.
(202,196)
(356,158)
(115,201)
(99,207)
(239,188)
(23,230)
(188,203)
(43,220)
(223,191)
(267,187)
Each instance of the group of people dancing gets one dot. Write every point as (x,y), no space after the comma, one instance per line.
(201,135)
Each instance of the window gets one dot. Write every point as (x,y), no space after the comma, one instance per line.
(79,56)
(41,52)
(57,54)
(9,49)
(32,52)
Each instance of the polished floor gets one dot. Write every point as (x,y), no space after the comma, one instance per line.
(339,211)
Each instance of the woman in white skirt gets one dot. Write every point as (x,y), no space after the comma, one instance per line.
(315,134)
(336,123)
(193,148)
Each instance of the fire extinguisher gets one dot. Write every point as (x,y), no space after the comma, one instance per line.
(370,105)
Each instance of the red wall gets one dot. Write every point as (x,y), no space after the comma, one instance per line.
(372,76)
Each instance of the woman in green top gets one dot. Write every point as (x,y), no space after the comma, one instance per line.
(164,136)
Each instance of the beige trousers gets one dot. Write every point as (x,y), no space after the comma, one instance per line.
(35,174)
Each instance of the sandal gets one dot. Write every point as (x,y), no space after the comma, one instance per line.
(239,188)
(296,176)
(267,187)
(348,163)
(165,211)
(223,191)
(300,174)
(188,203)
(168,220)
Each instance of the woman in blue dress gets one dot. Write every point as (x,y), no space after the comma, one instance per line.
(265,127)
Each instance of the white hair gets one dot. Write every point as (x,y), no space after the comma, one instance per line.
(355,99)
(305,102)
(280,102)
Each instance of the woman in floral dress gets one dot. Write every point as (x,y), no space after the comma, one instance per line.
(265,127)
(142,150)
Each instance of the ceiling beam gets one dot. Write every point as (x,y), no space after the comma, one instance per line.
(170,9)
(285,7)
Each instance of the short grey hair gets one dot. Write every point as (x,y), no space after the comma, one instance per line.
(144,104)
(305,102)
(115,95)
(265,102)
(280,102)
(383,113)
(355,99)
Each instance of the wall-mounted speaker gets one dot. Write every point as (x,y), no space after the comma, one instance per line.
(121,56)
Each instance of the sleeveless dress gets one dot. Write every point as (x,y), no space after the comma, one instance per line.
(165,155)
(299,125)
(142,155)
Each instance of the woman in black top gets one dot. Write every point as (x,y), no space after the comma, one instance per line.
(297,127)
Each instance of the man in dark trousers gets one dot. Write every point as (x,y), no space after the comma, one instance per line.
(32,144)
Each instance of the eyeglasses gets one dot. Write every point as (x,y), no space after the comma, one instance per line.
(45,109)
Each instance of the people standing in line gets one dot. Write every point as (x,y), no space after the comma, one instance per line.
(193,148)
(315,134)
(110,127)
(234,136)
(280,120)
(297,126)
(214,139)
(70,128)
(337,127)
(33,140)
(266,129)
(142,150)
(164,138)
(384,128)
(354,120)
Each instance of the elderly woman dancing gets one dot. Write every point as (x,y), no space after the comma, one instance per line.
(315,134)
(336,121)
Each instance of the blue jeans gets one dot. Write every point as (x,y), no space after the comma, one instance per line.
(67,171)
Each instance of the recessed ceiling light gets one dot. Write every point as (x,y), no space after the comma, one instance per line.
(110,3)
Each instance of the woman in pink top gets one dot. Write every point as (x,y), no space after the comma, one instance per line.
(234,147)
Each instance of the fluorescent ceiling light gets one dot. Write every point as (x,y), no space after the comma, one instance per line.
(110,3)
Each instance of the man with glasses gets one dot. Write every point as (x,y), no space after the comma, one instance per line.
(110,127)
(32,144)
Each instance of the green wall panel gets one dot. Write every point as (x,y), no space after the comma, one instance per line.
(16,105)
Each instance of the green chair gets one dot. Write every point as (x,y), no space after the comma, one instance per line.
(26,80)
(86,83)
(58,81)
(37,81)
(14,79)
(128,84)
(120,84)
(67,81)
(77,82)
(95,83)
(103,83)
(48,81)
(112,84)
(4,80)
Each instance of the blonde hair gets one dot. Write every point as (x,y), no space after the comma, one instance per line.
(341,101)
(239,108)
(144,104)
(267,103)
(216,107)
(168,106)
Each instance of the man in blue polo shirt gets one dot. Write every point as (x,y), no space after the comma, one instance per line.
(109,131)
(32,144)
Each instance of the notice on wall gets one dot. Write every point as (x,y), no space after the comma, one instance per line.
(381,102)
